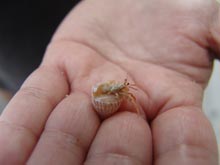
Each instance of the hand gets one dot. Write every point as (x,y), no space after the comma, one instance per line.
(164,47)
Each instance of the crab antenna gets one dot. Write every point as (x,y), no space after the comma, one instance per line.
(132,87)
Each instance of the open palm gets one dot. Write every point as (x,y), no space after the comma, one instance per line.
(165,48)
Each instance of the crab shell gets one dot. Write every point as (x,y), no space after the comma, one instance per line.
(106,105)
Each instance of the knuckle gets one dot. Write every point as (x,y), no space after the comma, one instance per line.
(33,92)
(36,93)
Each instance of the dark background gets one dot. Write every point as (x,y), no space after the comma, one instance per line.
(26,28)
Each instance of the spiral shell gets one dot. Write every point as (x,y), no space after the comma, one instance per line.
(106,105)
(107,97)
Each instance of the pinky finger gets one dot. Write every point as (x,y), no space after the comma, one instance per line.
(24,118)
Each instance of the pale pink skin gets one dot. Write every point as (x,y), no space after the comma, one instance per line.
(161,46)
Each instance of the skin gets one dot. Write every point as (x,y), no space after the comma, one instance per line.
(165,47)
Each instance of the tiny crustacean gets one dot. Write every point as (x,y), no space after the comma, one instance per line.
(107,97)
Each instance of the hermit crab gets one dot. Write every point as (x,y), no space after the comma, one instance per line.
(107,97)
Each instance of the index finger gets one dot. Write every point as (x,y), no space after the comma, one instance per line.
(183,135)
(23,120)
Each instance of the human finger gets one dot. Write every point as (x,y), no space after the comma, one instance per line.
(184,136)
(68,133)
(24,117)
(124,138)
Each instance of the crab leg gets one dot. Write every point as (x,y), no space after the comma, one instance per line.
(132,99)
